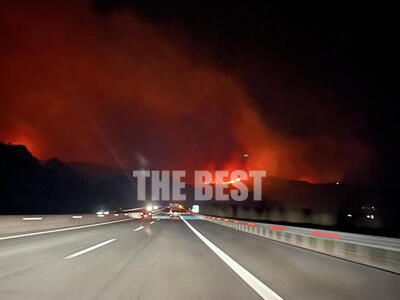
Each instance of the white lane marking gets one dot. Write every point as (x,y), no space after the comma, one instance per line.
(32,219)
(89,249)
(261,289)
(59,230)
(139,228)
(152,222)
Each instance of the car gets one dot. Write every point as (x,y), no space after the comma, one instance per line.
(146,215)
(173,213)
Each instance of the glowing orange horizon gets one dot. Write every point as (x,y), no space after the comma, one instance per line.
(225,182)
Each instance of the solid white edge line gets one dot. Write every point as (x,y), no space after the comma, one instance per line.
(89,249)
(60,230)
(261,289)
(139,228)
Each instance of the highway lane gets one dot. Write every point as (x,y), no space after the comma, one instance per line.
(166,260)
(296,273)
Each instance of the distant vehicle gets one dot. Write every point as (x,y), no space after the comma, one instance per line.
(146,215)
(174,213)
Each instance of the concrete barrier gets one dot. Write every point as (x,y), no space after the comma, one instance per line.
(17,224)
(379,252)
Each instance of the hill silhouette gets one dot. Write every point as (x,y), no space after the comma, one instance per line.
(31,186)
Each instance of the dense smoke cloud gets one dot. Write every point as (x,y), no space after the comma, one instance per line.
(109,88)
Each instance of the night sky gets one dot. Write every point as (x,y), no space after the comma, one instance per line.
(308,90)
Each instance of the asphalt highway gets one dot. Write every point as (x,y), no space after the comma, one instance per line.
(178,259)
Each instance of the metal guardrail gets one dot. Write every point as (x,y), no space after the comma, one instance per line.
(379,252)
